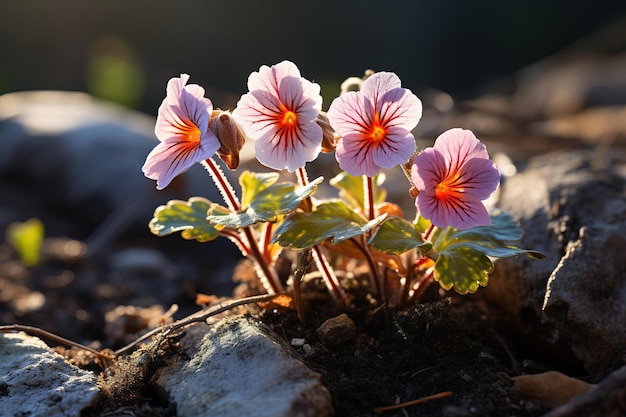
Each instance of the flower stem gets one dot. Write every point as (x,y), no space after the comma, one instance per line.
(327,272)
(222,183)
(368,197)
(429,232)
(422,285)
(330,279)
(375,281)
(268,276)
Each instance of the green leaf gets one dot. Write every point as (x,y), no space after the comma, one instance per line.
(463,268)
(397,236)
(422,224)
(253,183)
(462,256)
(495,240)
(26,238)
(187,217)
(351,189)
(267,205)
(331,220)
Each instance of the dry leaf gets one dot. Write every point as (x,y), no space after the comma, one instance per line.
(551,388)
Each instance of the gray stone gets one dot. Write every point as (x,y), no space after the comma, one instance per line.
(236,369)
(80,158)
(74,162)
(572,208)
(36,382)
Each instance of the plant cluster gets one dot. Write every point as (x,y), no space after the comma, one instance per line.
(452,238)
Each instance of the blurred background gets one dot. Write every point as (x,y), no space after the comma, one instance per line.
(528,77)
(126,51)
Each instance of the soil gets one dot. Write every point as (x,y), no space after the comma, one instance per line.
(453,347)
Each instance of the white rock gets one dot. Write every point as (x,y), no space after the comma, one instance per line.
(35,381)
(237,370)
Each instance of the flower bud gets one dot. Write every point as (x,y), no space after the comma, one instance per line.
(230,135)
(329,137)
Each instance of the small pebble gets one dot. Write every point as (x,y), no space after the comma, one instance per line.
(337,331)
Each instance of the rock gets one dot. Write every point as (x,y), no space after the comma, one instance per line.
(572,208)
(36,382)
(82,157)
(337,331)
(74,162)
(236,369)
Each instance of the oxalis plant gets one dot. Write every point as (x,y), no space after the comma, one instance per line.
(451,239)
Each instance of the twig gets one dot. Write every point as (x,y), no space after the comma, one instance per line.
(299,273)
(200,316)
(381,410)
(45,334)
(164,330)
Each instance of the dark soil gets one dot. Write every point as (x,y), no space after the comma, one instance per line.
(449,346)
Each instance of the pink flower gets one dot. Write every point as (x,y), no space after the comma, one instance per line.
(279,111)
(375,124)
(182,126)
(453,178)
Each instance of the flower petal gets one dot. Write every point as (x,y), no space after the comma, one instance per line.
(460,145)
(461,215)
(172,157)
(347,114)
(394,149)
(285,151)
(400,108)
(479,179)
(268,78)
(428,169)
(378,84)
(280,112)
(354,157)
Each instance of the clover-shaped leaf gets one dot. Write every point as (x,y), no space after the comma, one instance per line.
(496,240)
(252,183)
(266,205)
(463,268)
(397,236)
(187,217)
(331,220)
(351,189)
(462,256)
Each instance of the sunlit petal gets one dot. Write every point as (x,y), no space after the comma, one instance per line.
(354,157)
(173,157)
(280,112)
(396,149)
(453,177)
(375,124)
(182,126)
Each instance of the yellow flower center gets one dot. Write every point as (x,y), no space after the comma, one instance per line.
(289,117)
(448,189)
(377,131)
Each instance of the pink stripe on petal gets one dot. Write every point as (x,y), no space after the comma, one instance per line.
(428,169)
(346,114)
(378,84)
(459,145)
(479,178)
(354,157)
(400,108)
(395,149)
(173,157)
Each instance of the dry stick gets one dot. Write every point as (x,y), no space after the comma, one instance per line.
(200,316)
(165,330)
(305,264)
(381,410)
(45,334)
